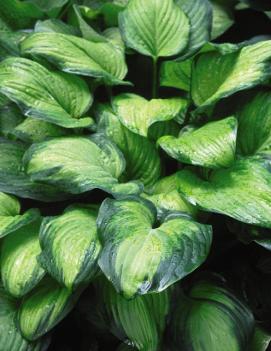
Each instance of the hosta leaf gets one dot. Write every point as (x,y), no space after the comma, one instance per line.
(70,246)
(216,76)
(141,319)
(138,258)
(9,43)
(211,318)
(56,26)
(18,14)
(10,337)
(10,218)
(20,271)
(242,191)
(154,28)
(80,56)
(57,98)
(13,179)
(47,5)
(259,4)
(176,74)
(10,117)
(32,130)
(212,145)
(199,13)
(142,158)
(222,17)
(254,132)
(43,308)
(78,164)
(138,114)
(166,198)
(261,340)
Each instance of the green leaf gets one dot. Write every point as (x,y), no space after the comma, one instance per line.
(227,193)
(216,76)
(141,155)
(32,130)
(166,198)
(212,145)
(138,258)
(43,308)
(142,320)
(80,56)
(18,15)
(70,246)
(10,337)
(138,114)
(261,340)
(15,181)
(78,164)
(57,98)
(199,14)
(47,5)
(259,4)
(222,17)
(254,132)
(154,28)
(56,26)
(9,43)
(20,271)
(211,318)
(10,218)
(10,117)
(176,74)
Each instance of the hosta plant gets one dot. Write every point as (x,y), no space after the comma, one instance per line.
(135,176)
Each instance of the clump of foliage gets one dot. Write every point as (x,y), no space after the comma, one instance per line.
(135,177)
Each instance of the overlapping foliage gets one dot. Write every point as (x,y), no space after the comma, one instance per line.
(113,194)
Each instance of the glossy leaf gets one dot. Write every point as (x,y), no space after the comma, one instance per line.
(176,74)
(10,217)
(141,155)
(70,246)
(222,17)
(32,130)
(154,28)
(10,337)
(14,180)
(20,271)
(216,76)
(80,56)
(78,164)
(211,318)
(57,98)
(43,308)
(47,5)
(141,319)
(254,133)
(227,193)
(212,145)
(199,14)
(138,114)
(9,43)
(138,258)
(166,198)
(56,26)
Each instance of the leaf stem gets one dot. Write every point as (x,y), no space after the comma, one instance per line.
(154,78)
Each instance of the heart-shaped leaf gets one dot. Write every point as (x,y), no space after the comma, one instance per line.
(242,191)
(70,246)
(57,98)
(78,164)
(212,145)
(20,271)
(216,76)
(155,27)
(80,56)
(138,258)
(138,114)
(142,158)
